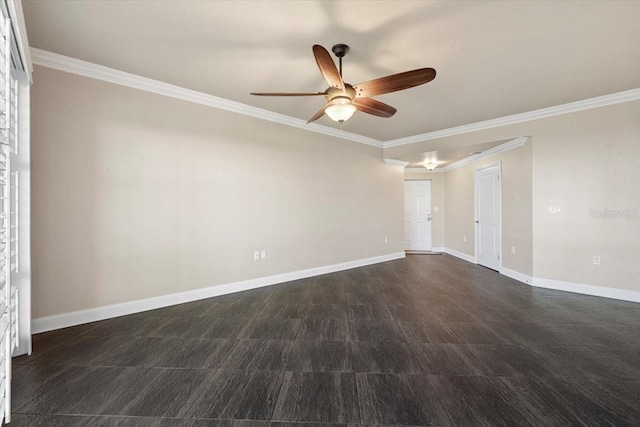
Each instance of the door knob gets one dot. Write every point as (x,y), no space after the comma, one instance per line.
(476,221)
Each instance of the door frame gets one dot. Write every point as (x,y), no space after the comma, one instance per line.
(430,208)
(475,209)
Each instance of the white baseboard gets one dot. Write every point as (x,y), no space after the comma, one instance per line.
(580,288)
(559,285)
(64,320)
(460,255)
(438,249)
(516,275)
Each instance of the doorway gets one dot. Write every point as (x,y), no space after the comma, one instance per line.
(487,187)
(417,215)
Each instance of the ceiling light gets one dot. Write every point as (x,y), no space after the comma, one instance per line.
(430,166)
(340,113)
(341,109)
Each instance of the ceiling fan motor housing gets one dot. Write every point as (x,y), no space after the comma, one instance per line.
(334,93)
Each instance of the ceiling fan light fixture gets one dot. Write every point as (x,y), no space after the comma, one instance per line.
(340,112)
(430,166)
(344,98)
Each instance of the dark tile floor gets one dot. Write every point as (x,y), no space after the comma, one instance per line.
(426,340)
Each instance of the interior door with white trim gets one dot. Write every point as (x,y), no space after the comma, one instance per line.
(487,216)
(417,215)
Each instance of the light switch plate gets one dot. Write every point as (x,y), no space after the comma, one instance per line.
(554,209)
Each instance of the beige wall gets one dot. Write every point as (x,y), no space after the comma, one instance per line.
(516,200)
(590,161)
(138,195)
(581,161)
(437,200)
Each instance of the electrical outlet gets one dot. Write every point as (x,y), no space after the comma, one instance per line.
(386,240)
(596,260)
(436,209)
(464,239)
(513,249)
(256,255)
(263,254)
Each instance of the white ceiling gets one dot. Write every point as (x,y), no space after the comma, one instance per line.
(446,156)
(493,58)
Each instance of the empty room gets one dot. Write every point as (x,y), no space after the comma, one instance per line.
(309,213)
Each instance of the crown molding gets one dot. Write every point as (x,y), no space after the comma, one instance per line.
(99,72)
(510,145)
(88,69)
(422,170)
(572,107)
(514,143)
(393,162)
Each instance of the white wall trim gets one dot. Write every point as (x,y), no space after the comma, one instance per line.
(489,165)
(438,249)
(88,69)
(580,288)
(393,162)
(516,275)
(510,145)
(461,255)
(507,146)
(559,285)
(571,107)
(422,170)
(49,323)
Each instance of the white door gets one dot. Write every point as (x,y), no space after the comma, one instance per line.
(417,215)
(487,213)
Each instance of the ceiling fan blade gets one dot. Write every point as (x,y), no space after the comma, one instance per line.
(372,106)
(327,67)
(319,114)
(395,82)
(288,93)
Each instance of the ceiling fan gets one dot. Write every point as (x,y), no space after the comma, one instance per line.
(344,99)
